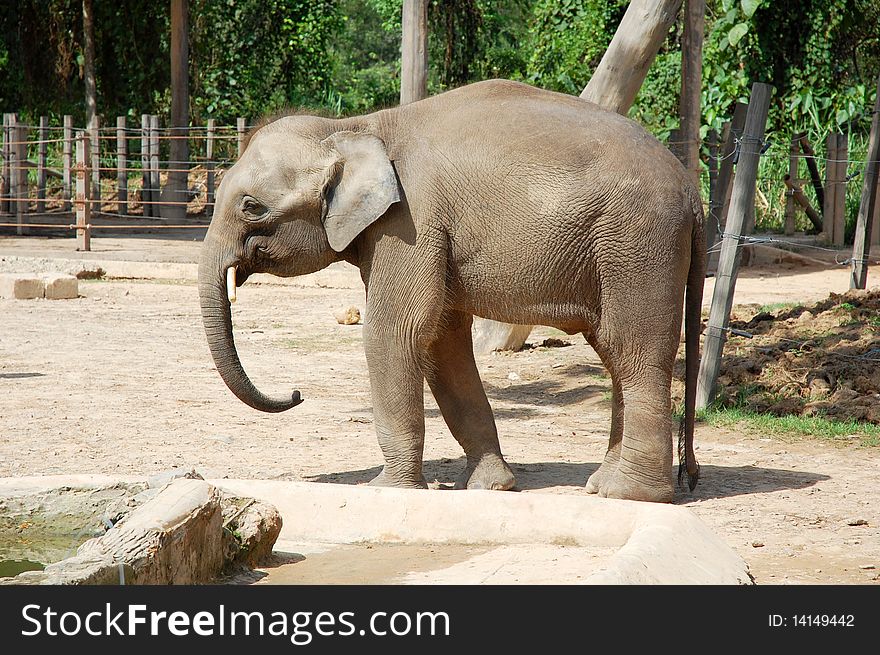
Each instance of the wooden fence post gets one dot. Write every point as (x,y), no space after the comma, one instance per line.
(414,51)
(146,180)
(875,232)
(713,140)
(83,201)
(6,189)
(42,151)
(155,184)
(868,204)
(67,162)
(793,177)
(840,193)
(742,204)
(121,166)
(830,187)
(725,179)
(95,144)
(20,175)
(209,168)
(240,130)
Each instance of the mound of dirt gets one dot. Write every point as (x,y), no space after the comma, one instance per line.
(821,359)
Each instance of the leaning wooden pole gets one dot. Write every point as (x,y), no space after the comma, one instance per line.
(625,64)
(868,204)
(614,86)
(742,205)
(414,51)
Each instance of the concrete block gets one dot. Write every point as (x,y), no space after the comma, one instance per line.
(22,286)
(60,286)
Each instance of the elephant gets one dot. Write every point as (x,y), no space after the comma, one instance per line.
(499,200)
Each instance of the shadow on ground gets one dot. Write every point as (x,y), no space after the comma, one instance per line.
(715,481)
(726,481)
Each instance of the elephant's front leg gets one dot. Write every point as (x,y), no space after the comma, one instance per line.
(458,390)
(397,386)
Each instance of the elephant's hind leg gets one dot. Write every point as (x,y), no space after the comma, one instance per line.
(612,456)
(639,466)
(455,382)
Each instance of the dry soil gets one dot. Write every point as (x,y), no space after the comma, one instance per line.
(120,381)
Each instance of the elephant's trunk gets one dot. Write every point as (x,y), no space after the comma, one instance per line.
(217,318)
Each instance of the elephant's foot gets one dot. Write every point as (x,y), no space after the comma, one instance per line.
(619,485)
(603,474)
(386,480)
(488,472)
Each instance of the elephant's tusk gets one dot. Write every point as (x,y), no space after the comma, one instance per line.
(230,283)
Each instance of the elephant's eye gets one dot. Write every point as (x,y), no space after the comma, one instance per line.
(253,208)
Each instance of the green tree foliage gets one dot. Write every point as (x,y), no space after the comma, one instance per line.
(249,57)
(255,56)
(41,56)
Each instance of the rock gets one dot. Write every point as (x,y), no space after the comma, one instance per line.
(89,569)
(96,274)
(60,286)
(251,529)
(513,377)
(21,286)
(867,567)
(175,538)
(805,317)
(856,522)
(350,316)
(757,544)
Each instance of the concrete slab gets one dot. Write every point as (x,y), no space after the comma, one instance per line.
(518,535)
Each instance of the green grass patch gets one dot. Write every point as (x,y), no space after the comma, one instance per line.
(774,307)
(792,425)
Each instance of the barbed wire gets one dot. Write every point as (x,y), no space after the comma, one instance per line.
(744,240)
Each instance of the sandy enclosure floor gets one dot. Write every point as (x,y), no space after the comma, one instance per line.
(120,380)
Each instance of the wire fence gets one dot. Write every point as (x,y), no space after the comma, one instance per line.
(137,177)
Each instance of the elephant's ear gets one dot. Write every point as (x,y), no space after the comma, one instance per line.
(362,192)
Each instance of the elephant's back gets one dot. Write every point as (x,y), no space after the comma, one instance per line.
(503,120)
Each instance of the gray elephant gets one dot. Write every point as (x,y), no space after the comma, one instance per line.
(498,200)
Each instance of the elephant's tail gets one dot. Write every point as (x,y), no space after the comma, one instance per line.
(687,461)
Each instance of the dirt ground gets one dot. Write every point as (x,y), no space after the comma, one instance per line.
(120,380)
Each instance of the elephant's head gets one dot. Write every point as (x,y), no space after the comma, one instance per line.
(299,195)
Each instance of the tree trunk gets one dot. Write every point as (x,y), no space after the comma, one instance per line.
(689,113)
(89,62)
(176,188)
(614,86)
(414,51)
